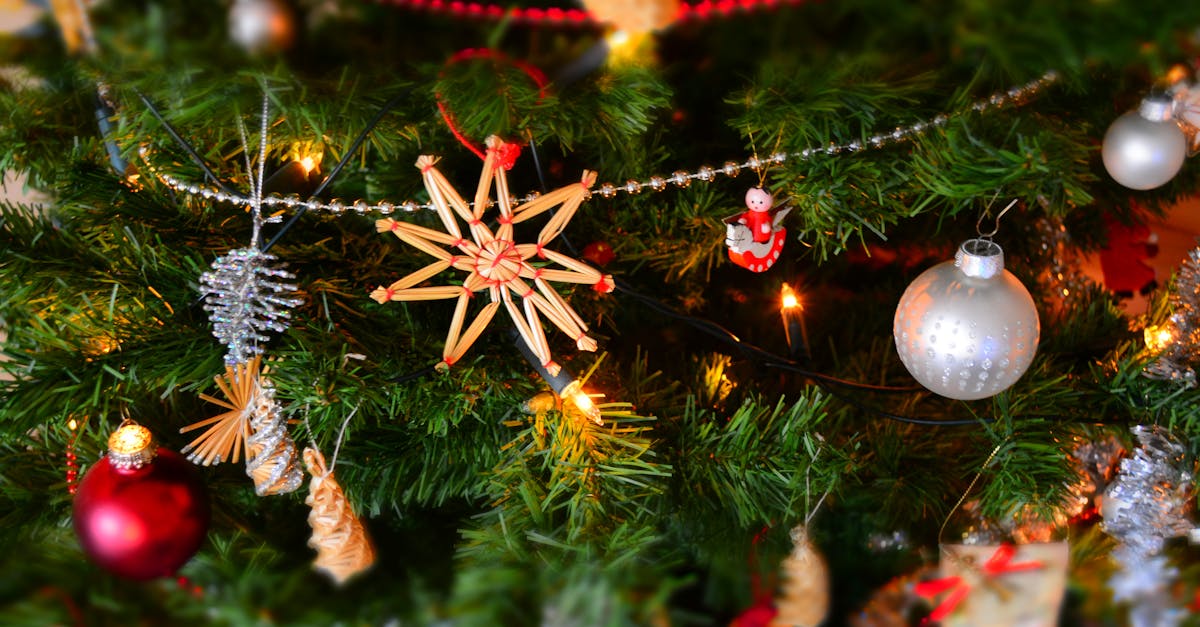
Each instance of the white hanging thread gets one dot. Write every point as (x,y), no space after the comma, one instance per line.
(804,601)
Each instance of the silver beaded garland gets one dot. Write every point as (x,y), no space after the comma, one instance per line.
(681,178)
(967,329)
(1144,149)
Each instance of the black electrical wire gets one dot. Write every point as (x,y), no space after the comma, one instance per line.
(754,352)
(826,382)
(329,178)
(195,156)
(337,169)
(925,422)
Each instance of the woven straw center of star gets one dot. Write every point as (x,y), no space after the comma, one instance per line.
(498,262)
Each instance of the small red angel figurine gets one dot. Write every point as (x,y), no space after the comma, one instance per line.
(755,237)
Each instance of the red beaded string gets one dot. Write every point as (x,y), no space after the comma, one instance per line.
(479,10)
(72,466)
(187,586)
(762,593)
(703,10)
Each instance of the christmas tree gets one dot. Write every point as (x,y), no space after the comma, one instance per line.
(536,313)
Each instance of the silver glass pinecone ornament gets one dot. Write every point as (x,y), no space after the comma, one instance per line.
(967,329)
(246,297)
(1144,149)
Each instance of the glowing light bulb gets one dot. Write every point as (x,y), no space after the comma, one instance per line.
(574,391)
(307,156)
(788,297)
(72,424)
(1159,337)
(1177,74)
(617,39)
(629,48)
(792,312)
(584,402)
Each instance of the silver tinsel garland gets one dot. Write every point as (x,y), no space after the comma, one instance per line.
(1146,504)
(1062,275)
(1180,355)
(246,297)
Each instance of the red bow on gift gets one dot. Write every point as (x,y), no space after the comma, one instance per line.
(1000,563)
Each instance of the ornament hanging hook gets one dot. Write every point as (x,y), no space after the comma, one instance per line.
(125,418)
(809,513)
(762,168)
(996,228)
(312,439)
(337,447)
(257,177)
(761,171)
(987,462)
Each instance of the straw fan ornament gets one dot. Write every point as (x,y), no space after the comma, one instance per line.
(493,261)
(253,425)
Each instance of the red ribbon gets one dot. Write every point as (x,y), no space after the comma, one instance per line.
(763,611)
(508,152)
(1000,563)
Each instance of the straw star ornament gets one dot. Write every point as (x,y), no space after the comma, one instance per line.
(494,262)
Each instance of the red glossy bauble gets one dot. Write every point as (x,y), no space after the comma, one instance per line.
(142,523)
(599,253)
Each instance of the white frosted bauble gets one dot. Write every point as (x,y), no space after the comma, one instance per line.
(1141,152)
(967,329)
(259,26)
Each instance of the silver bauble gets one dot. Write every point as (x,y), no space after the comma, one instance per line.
(1144,149)
(967,329)
(261,26)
